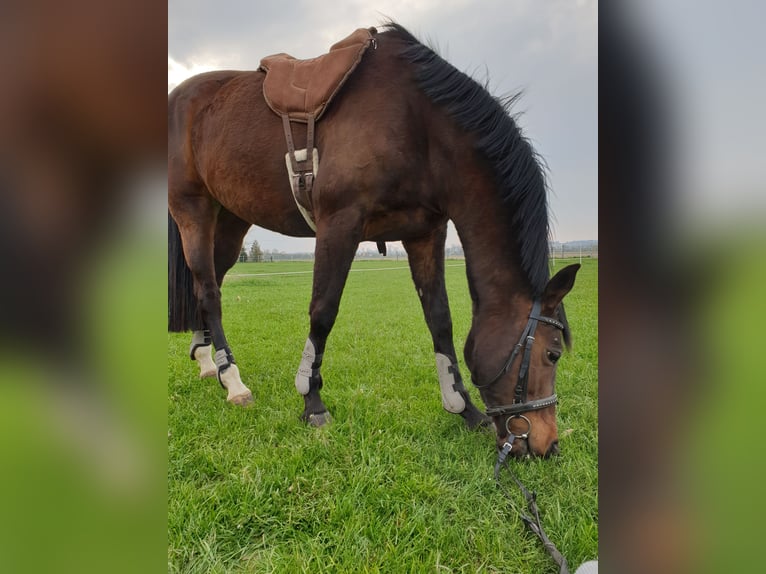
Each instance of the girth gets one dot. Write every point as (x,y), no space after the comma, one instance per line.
(302,171)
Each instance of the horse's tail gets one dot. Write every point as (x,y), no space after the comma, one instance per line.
(183,311)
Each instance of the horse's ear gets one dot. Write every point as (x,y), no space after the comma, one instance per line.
(559,285)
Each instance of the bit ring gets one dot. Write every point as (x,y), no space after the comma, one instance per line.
(524,435)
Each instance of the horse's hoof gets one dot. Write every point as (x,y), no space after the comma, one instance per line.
(209,373)
(318,420)
(242,400)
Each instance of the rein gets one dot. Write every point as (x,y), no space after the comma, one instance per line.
(533,524)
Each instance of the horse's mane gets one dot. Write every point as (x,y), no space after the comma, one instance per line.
(519,170)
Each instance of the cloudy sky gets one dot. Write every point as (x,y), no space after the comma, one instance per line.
(548,49)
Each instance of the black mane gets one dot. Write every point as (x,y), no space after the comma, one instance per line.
(519,172)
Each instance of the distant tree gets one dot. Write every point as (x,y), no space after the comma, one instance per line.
(256,254)
(242,255)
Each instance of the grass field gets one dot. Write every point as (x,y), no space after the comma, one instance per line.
(394,484)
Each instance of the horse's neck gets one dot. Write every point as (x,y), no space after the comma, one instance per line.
(494,270)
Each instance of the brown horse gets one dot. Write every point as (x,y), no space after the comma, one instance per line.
(408,144)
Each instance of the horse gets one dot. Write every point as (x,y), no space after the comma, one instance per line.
(408,144)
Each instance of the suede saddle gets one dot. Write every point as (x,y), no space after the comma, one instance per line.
(300,91)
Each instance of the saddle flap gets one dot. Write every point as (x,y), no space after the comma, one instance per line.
(300,88)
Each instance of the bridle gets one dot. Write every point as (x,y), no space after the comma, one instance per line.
(520,403)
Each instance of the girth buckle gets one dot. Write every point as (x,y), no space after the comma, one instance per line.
(304,181)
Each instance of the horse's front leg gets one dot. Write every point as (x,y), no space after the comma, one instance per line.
(426,258)
(337,239)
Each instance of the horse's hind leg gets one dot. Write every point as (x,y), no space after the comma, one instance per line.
(337,239)
(229,233)
(196,216)
(426,258)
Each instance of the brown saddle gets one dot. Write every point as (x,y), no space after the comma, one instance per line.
(300,89)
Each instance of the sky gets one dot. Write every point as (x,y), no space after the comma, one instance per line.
(547,49)
(709,58)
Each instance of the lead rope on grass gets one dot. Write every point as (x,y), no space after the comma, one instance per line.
(533,524)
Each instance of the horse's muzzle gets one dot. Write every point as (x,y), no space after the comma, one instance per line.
(521,448)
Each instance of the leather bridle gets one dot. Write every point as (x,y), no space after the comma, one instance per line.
(520,403)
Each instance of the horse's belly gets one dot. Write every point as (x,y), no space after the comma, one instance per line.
(271,213)
(256,190)
(402,225)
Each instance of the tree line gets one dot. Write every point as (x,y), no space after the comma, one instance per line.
(255,254)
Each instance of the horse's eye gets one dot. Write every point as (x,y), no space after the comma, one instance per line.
(553,356)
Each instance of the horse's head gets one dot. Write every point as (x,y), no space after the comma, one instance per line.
(517,380)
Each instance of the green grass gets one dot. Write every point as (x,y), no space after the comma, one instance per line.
(394,484)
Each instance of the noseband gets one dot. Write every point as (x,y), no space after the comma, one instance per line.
(520,403)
